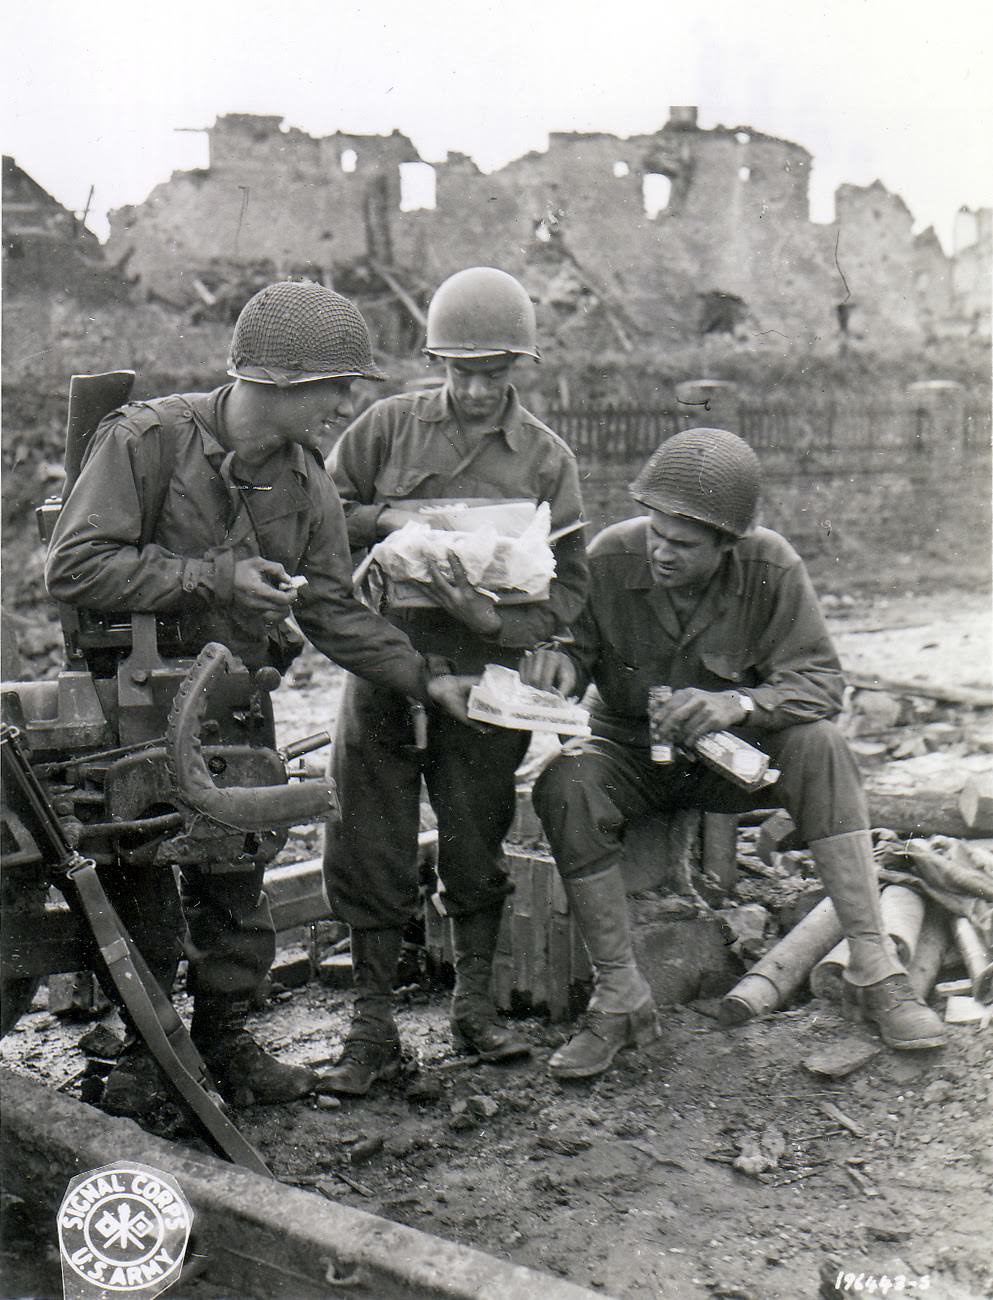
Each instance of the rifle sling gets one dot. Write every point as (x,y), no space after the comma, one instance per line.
(156,1019)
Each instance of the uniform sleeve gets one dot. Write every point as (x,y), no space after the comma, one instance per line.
(338,624)
(525,625)
(96,558)
(353,465)
(801,677)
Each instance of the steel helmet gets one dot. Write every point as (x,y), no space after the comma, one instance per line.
(296,332)
(481,312)
(708,475)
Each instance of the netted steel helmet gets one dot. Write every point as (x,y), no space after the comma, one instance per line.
(296,332)
(481,312)
(708,475)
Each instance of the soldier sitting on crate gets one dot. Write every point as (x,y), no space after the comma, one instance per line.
(204,506)
(694,597)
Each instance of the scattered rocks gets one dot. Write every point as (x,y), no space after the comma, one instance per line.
(482,1106)
(425,1088)
(759,1155)
(841,1058)
(101,1042)
(365,1148)
(563,1144)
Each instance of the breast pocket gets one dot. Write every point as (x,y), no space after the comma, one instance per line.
(624,678)
(395,483)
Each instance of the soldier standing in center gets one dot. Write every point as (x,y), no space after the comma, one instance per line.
(470,439)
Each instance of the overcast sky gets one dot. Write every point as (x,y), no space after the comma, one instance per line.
(898,90)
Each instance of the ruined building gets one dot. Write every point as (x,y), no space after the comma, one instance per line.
(47,247)
(652,239)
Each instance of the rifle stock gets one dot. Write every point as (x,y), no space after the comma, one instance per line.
(91,397)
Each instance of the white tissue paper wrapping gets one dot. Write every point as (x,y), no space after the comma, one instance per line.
(501,699)
(491,560)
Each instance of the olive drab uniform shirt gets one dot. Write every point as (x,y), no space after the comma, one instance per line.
(758,627)
(108,553)
(409,448)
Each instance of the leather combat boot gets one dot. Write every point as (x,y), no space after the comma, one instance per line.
(621,1012)
(236,1061)
(135,1087)
(905,1022)
(876,989)
(476,1027)
(372,1046)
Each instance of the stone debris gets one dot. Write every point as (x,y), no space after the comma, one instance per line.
(759,1154)
(841,1058)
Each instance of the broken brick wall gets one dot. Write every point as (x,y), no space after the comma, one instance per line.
(571,221)
(300,204)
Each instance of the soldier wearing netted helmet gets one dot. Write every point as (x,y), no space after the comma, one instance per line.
(695,597)
(204,506)
(469,439)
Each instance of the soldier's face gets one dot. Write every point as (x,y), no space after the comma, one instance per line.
(321,410)
(478,386)
(683,553)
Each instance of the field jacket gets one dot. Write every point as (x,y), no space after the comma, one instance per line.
(126,541)
(758,628)
(409,448)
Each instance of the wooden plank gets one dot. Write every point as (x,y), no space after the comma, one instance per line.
(719,849)
(559,966)
(540,914)
(503,980)
(522,953)
(976,696)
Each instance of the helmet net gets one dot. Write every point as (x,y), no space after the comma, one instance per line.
(297,329)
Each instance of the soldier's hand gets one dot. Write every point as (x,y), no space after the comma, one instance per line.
(258,587)
(451,693)
(458,597)
(692,713)
(392,518)
(549,670)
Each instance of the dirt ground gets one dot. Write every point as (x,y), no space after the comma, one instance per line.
(626,1184)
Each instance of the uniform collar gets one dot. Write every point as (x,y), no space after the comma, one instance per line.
(436,407)
(207,416)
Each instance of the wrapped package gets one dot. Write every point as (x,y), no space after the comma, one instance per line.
(736,759)
(513,562)
(501,699)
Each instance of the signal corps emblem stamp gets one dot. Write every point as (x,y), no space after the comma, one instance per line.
(123,1230)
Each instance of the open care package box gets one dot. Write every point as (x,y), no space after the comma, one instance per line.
(505,548)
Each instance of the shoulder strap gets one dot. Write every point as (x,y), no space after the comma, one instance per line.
(167,465)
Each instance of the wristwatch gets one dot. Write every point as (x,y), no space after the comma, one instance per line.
(744,702)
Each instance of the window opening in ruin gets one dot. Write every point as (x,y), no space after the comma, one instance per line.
(655,193)
(744,173)
(621,168)
(349,160)
(742,137)
(721,313)
(418,187)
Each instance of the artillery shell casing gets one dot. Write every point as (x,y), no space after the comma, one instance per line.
(903,916)
(931,946)
(778,975)
(977,959)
